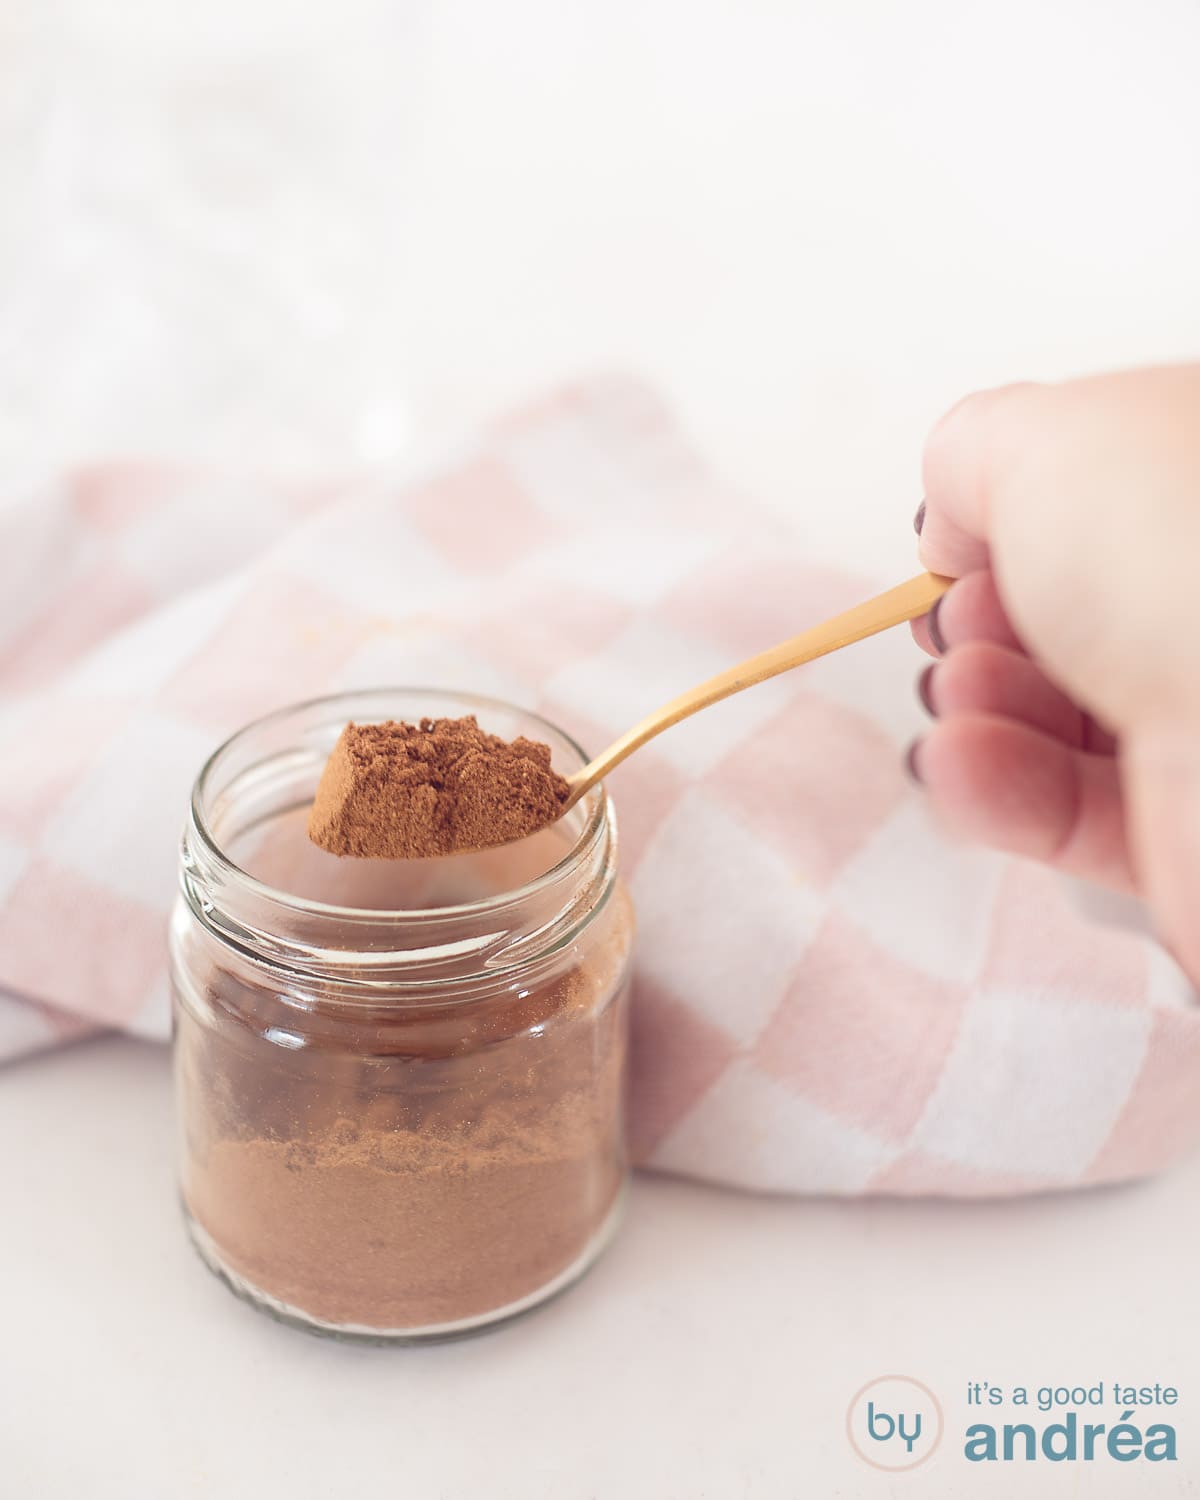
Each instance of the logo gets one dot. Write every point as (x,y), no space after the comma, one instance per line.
(894,1423)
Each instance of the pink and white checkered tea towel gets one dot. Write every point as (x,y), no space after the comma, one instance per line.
(830,997)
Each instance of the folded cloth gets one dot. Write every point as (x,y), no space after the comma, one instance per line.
(830,997)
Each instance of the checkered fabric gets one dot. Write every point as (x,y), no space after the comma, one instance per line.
(830,996)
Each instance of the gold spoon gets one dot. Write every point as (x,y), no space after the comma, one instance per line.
(906,601)
(361,813)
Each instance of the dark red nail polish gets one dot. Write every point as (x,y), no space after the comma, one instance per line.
(935,628)
(919,518)
(910,761)
(925,689)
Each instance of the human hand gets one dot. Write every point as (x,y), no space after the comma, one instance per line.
(1066,696)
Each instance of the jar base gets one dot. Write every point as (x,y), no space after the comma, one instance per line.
(433,1333)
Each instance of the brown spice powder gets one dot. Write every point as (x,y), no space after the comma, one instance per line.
(414,1173)
(400,1230)
(405,791)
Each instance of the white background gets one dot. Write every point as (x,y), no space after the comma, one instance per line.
(317,231)
(315,235)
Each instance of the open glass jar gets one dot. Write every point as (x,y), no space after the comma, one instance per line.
(400,1083)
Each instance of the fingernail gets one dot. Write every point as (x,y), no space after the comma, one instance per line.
(925,689)
(919,518)
(935,628)
(912,763)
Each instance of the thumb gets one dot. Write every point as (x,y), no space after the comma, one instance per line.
(1160,770)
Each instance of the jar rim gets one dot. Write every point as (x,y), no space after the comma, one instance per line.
(592,830)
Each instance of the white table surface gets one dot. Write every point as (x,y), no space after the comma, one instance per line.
(711,1353)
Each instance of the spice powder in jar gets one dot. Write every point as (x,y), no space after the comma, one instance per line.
(400,1082)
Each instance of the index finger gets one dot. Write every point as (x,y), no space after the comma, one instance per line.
(960,454)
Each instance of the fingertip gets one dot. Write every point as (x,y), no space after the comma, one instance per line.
(972,611)
(955,469)
(980,676)
(946,548)
(1004,784)
(920,634)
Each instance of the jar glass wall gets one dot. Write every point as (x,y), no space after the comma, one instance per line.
(400,1083)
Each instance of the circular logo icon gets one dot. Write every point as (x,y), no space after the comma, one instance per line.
(894,1423)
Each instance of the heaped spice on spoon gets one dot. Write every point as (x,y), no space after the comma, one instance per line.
(443,786)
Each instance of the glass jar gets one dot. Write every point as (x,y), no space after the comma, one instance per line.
(400,1083)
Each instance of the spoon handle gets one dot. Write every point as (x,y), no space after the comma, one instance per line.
(905,602)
